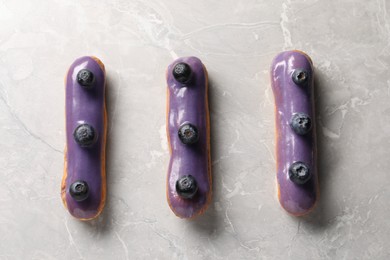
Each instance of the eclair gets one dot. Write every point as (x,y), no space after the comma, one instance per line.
(292,83)
(83,188)
(189,181)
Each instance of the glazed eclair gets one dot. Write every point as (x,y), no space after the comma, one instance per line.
(189,182)
(296,150)
(83,188)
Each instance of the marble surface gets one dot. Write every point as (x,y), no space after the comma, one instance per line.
(349,42)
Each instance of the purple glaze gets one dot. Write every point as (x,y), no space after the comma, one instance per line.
(290,147)
(188,104)
(87,164)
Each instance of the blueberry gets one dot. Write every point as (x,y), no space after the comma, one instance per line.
(186,187)
(79,190)
(300,123)
(188,134)
(85,78)
(299,173)
(182,72)
(300,77)
(84,135)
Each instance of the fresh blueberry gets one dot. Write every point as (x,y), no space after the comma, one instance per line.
(188,134)
(79,190)
(85,135)
(299,173)
(182,72)
(300,123)
(85,78)
(300,77)
(186,187)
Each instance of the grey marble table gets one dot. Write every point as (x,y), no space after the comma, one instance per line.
(349,42)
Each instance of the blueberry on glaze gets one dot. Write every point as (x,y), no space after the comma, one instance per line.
(182,72)
(79,190)
(300,77)
(85,78)
(299,173)
(188,134)
(186,187)
(300,123)
(84,135)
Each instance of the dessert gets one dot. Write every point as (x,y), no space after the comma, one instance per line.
(189,182)
(293,88)
(83,188)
